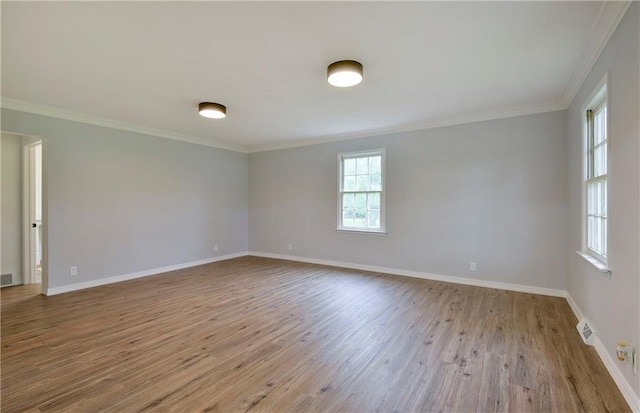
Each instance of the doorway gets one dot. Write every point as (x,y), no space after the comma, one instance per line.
(32,212)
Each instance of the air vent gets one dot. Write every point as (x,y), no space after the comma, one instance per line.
(586,331)
(6,280)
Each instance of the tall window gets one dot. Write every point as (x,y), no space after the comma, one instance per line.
(361,191)
(596,178)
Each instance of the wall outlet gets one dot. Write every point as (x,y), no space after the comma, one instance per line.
(473,267)
(290,247)
(73,271)
(215,248)
(627,355)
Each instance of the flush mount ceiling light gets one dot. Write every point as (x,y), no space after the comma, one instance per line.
(344,73)
(212,110)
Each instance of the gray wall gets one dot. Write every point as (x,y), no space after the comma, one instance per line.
(613,306)
(490,192)
(122,202)
(500,193)
(11,206)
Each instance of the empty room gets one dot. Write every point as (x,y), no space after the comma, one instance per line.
(320,206)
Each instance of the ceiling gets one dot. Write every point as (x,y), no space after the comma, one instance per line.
(146,65)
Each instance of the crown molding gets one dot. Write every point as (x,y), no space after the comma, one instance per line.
(52,112)
(611,14)
(429,124)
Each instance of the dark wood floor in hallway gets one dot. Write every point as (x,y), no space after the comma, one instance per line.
(264,335)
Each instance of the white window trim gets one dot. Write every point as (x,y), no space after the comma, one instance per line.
(600,93)
(370,152)
(602,267)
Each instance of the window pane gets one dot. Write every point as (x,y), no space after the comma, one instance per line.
(604,196)
(373,201)
(375,182)
(600,126)
(591,209)
(599,167)
(375,165)
(600,234)
(350,166)
(348,216)
(349,183)
(599,243)
(361,217)
(361,201)
(596,234)
(604,239)
(348,201)
(604,123)
(362,183)
(362,166)
(374,219)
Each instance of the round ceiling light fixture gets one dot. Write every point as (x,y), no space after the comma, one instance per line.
(212,110)
(344,73)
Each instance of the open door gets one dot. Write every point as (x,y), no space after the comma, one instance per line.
(32,196)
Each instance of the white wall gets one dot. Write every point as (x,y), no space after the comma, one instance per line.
(491,192)
(11,206)
(612,305)
(122,202)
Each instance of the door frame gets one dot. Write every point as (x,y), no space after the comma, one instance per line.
(28,210)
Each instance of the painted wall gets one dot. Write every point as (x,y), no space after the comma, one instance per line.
(612,305)
(11,151)
(121,202)
(491,192)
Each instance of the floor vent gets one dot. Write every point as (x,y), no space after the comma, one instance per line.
(586,331)
(6,280)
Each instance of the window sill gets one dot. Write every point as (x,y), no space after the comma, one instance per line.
(602,267)
(361,231)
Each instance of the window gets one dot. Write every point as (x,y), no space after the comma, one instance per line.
(595,184)
(361,191)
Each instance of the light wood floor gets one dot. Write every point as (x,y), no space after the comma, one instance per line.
(254,334)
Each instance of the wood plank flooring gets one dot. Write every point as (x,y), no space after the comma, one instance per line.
(264,335)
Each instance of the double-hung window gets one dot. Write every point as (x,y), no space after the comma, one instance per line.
(595,180)
(361,191)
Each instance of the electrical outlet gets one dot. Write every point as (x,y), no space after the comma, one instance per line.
(627,355)
(215,248)
(290,246)
(473,267)
(73,271)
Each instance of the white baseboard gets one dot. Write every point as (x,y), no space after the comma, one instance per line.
(416,274)
(574,307)
(140,274)
(625,388)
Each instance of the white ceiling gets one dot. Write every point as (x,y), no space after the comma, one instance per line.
(148,64)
